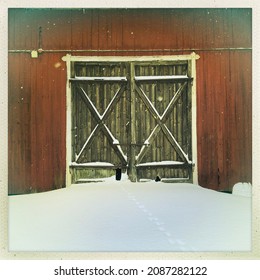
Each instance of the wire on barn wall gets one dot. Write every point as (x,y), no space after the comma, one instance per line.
(137,50)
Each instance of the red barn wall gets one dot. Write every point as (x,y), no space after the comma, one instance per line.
(37,86)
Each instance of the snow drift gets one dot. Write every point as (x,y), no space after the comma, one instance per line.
(130,217)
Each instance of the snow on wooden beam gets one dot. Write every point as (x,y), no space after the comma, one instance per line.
(163,78)
(99,79)
(160,163)
(164,164)
(93,165)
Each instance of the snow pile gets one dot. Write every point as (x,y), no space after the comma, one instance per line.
(130,217)
(243,189)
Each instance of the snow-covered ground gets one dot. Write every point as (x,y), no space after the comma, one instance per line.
(123,216)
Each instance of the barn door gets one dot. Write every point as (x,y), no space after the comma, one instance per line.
(164,128)
(131,114)
(99,119)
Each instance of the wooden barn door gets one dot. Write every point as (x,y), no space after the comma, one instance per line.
(131,114)
(99,119)
(163,125)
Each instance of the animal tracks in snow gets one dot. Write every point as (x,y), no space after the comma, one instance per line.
(178,244)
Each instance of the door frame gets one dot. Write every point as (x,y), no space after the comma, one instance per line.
(69,59)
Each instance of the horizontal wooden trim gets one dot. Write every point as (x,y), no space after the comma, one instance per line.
(99,79)
(176,166)
(134,59)
(139,166)
(162,78)
(93,167)
(166,180)
(83,181)
(89,166)
(91,163)
(161,163)
(176,180)
(165,164)
(137,78)
(125,63)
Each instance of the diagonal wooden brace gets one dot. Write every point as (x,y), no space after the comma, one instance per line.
(100,124)
(160,123)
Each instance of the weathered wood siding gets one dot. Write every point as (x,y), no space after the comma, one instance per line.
(36,123)
(37,87)
(224,104)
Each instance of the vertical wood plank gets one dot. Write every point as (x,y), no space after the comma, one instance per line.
(68,124)
(132,168)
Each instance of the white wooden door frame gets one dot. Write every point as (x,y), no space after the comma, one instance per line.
(71,59)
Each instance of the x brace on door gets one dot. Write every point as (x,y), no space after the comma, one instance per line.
(100,119)
(161,124)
